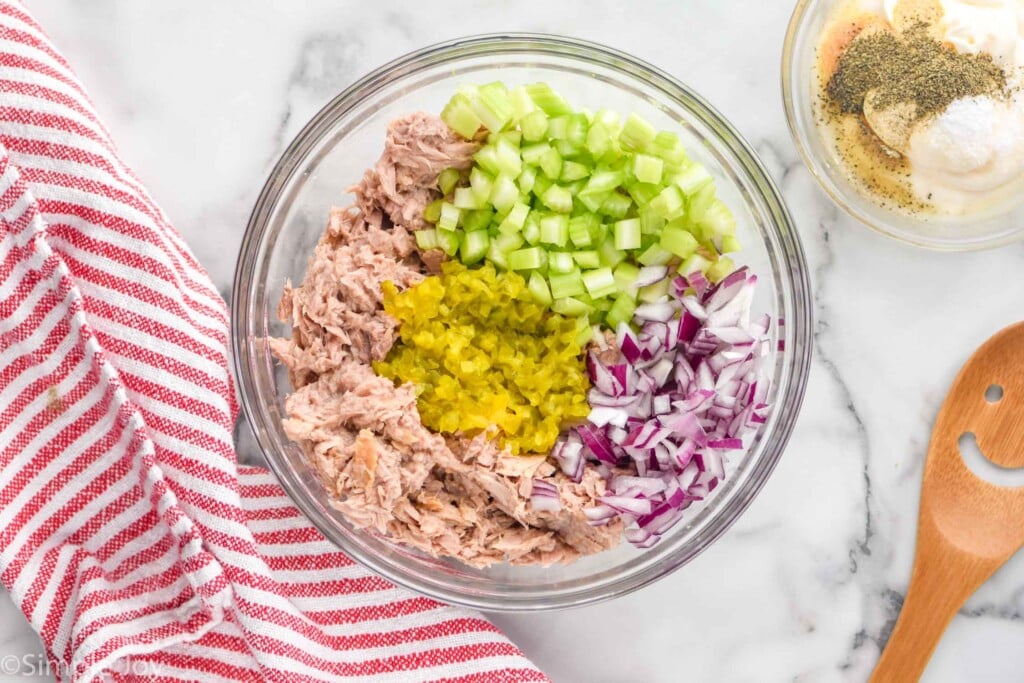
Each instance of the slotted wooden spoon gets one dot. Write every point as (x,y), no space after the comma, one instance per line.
(967,527)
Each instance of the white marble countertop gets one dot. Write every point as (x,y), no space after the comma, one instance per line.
(202,99)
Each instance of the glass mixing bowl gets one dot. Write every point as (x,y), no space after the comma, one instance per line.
(346,137)
(799,92)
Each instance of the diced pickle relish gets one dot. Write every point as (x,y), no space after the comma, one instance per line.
(482,354)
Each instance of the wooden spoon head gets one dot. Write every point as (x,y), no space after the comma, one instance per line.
(995,371)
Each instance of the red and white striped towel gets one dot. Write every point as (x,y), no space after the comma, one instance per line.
(129,537)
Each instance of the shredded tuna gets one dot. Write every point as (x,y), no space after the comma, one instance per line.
(456,497)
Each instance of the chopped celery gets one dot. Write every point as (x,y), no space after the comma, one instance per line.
(621,311)
(551,163)
(449,219)
(668,147)
(487,158)
(477,220)
(504,194)
(492,106)
(643,193)
(557,199)
(538,287)
(507,158)
(458,114)
(650,222)
(448,242)
(532,153)
(465,198)
(610,255)
(625,276)
(720,268)
(599,139)
(680,242)
(573,170)
(599,282)
(447,180)
(647,169)
(616,205)
(636,133)
(561,262)
(432,211)
(587,259)
(522,103)
(426,239)
(558,127)
(482,183)
(691,178)
(568,148)
(654,255)
(534,125)
(547,99)
(603,181)
(496,256)
(516,218)
(579,229)
(719,219)
(531,231)
(653,292)
(525,259)
(627,234)
(554,229)
(508,243)
(526,179)
(474,246)
(570,306)
(541,185)
(730,244)
(668,203)
(566,284)
(700,201)
(696,263)
(593,202)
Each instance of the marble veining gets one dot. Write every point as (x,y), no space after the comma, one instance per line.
(807,586)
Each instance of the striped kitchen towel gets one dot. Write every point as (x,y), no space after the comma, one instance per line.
(130,538)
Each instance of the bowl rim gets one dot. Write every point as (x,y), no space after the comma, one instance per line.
(825,180)
(799,324)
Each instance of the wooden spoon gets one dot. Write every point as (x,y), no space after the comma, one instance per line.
(967,527)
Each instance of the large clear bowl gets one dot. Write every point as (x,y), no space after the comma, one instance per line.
(346,137)
(800,88)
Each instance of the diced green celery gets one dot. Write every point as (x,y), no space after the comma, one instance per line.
(496,256)
(680,242)
(654,255)
(593,202)
(584,333)
(668,147)
(566,284)
(625,276)
(538,287)
(465,198)
(579,229)
(533,153)
(479,219)
(695,263)
(487,158)
(547,99)
(719,219)
(508,243)
(609,118)
(474,246)
(569,149)
(448,241)
(650,222)
(558,127)
(669,202)
(699,202)
(531,231)
(526,179)
(482,183)
(587,259)
(636,133)
(599,139)
(449,219)
(458,114)
(541,185)
(426,239)
(557,199)
(621,311)
(554,229)
(561,262)
(574,186)
(599,232)
(610,256)
(504,194)
(516,218)
(600,282)
(627,234)
(534,125)
(720,268)
(647,169)
(522,103)
(493,106)
(643,193)
(432,211)
(572,170)
(551,163)
(570,307)
(513,137)
(507,158)
(691,178)
(603,181)
(616,205)
(730,244)
(576,130)
(653,292)
(525,259)
(447,179)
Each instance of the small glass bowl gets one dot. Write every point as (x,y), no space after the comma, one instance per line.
(346,137)
(799,90)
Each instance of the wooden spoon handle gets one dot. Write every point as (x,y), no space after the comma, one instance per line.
(944,577)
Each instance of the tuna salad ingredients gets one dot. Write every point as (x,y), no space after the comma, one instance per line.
(683,394)
(577,202)
(484,357)
(456,497)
